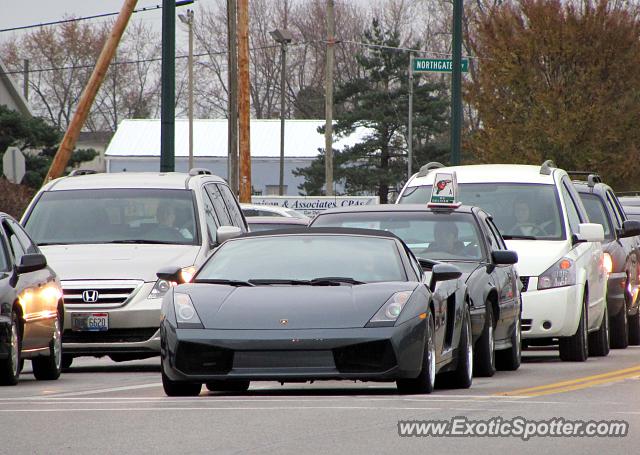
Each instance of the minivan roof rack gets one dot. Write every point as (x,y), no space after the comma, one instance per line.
(200,171)
(424,170)
(77,172)
(592,177)
(546,167)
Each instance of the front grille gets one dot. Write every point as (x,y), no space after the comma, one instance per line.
(283,359)
(99,293)
(526,324)
(195,358)
(525,283)
(110,336)
(372,357)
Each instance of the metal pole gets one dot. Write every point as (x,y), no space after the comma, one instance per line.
(190,24)
(232,128)
(244,101)
(283,67)
(168,90)
(328,103)
(410,120)
(456,83)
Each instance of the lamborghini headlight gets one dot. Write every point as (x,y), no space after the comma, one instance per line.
(389,312)
(186,315)
(562,273)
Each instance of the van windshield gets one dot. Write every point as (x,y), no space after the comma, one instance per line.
(520,210)
(114,216)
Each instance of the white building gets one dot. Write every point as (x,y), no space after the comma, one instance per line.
(136,147)
(11,94)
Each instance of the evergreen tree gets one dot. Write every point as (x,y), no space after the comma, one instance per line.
(378,101)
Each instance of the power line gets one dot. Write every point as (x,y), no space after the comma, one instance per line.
(133,62)
(95,16)
(398,48)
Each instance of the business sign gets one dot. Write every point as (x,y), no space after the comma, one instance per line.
(437,65)
(312,205)
(444,190)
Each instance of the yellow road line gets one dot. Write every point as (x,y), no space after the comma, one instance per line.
(575,384)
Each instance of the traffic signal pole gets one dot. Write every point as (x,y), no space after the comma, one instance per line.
(456,84)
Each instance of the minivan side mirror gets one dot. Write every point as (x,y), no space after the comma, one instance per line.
(32,263)
(224,233)
(591,232)
(630,228)
(504,257)
(443,272)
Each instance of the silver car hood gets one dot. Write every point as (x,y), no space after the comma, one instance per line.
(113,262)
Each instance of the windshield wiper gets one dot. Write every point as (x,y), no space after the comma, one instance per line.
(267,281)
(222,281)
(333,281)
(519,237)
(140,241)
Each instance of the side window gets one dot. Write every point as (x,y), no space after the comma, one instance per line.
(17,250)
(612,207)
(210,217)
(232,207)
(4,256)
(496,235)
(218,205)
(572,211)
(27,244)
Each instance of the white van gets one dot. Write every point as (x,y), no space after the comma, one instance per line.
(107,235)
(541,216)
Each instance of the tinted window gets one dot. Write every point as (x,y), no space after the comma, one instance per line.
(614,209)
(222,214)
(496,239)
(25,241)
(232,206)
(16,248)
(430,235)
(597,212)
(304,257)
(114,215)
(518,209)
(4,256)
(572,211)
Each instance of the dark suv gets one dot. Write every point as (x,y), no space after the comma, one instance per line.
(622,259)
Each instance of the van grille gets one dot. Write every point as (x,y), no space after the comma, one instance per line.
(103,293)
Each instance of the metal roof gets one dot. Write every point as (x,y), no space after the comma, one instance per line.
(141,138)
(489,173)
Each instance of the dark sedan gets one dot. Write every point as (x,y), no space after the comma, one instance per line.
(31,309)
(311,304)
(467,237)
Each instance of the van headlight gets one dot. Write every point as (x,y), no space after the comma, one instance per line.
(562,273)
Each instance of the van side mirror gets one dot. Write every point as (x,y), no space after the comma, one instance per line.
(630,228)
(171,274)
(224,233)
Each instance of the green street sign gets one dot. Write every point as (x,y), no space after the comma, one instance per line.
(437,65)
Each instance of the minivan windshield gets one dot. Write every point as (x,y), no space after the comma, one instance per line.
(114,216)
(520,210)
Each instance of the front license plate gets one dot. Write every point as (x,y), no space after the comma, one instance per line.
(90,322)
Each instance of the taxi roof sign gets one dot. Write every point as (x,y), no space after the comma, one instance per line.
(444,192)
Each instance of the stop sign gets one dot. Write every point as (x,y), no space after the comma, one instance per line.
(13,164)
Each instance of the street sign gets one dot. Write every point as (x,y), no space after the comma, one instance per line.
(13,165)
(437,65)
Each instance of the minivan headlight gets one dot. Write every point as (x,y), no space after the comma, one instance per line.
(562,273)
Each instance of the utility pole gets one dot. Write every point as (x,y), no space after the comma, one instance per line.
(168,91)
(25,72)
(68,143)
(232,127)
(188,20)
(456,84)
(410,120)
(283,37)
(244,101)
(328,101)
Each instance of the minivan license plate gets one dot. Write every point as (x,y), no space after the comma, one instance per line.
(90,322)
